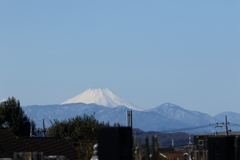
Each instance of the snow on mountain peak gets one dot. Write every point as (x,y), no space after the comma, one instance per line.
(101,96)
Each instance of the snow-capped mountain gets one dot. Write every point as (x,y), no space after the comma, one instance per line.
(108,107)
(101,96)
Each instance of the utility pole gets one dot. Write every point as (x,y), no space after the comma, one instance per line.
(44,130)
(30,128)
(226,124)
(129,118)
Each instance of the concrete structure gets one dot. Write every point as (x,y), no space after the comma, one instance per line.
(217,146)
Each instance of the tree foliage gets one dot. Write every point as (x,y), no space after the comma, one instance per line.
(12,117)
(82,131)
(75,129)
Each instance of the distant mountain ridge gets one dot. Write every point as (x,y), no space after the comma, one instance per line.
(193,118)
(109,107)
(231,116)
(141,119)
(148,120)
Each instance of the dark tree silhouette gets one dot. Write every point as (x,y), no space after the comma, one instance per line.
(75,129)
(81,131)
(12,117)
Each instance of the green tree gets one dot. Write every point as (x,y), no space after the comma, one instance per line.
(81,131)
(12,117)
(77,128)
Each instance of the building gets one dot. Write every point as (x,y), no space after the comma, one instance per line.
(217,146)
(9,143)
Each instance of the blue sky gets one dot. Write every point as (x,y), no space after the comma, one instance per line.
(147,52)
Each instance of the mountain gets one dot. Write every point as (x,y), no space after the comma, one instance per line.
(60,112)
(192,118)
(141,119)
(101,96)
(164,117)
(231,117)
(148,121)
(108,107)
(2,100)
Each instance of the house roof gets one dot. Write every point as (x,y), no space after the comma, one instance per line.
(9,143)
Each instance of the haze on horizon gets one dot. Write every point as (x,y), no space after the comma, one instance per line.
(182,52)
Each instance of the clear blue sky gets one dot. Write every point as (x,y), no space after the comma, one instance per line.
(147,52)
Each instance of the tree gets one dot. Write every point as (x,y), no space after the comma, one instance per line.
(81,131)
(12,117)
(75,129)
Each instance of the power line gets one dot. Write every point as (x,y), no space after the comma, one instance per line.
(192,128)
